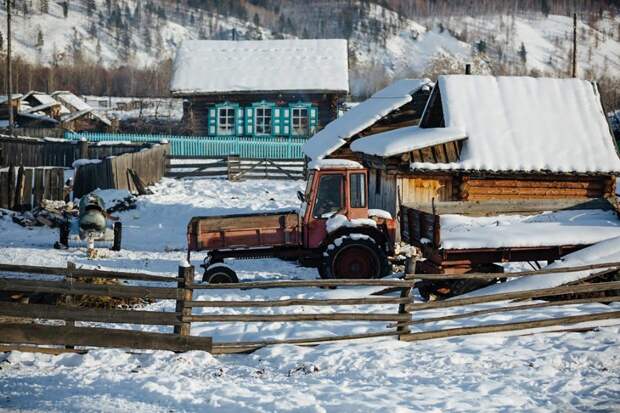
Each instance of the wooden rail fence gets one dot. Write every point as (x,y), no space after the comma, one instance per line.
(73,282)
(235,168)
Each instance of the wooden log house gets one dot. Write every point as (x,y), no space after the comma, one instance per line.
(271,88)
(484,138)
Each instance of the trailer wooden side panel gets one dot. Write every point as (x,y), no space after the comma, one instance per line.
(244,231)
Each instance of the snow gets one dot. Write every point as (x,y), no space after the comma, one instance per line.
(81,162)
(68,98)
(338,221)
(380,213)
(570,227)
(217,66)
(527,124)
(334,163)
(502,371)
(336,133)
(604,252)
(398,141)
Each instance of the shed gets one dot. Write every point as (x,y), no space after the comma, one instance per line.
(269,88)
(81,116)
(40,103)
(484,138)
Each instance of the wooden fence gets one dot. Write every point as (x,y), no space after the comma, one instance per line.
(22,189)
(236,168)
(72,283)
(56,152)
(131,171)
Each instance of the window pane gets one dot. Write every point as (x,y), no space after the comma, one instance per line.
(300,121)
(357,187)
(329,196)
(226,121)
(263,121)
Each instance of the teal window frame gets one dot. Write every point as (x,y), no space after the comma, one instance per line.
(217,124)
(262,105)
(312,116)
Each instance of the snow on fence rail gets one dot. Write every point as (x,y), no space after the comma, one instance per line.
(74,283)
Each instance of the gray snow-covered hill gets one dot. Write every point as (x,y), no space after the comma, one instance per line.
(383,43)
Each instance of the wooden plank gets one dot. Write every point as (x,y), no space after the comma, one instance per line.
(85,272)
(471,314)
(5,348)
(27,194)
(11,187)
(306,283)
(592,193)
(439,152)
(497,328)
(518,295)
(100,337)
(249,318)
(521,183)
(4,189)
(451,151)
(427,155)
(57,312)
(298,302)
(58,287)
(510,206)
(39,186)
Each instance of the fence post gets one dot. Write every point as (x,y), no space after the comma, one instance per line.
(69,279)
(83,146)
(185,293)
(406,293)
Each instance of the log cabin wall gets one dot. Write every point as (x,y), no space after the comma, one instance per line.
(196,108)
(475,188)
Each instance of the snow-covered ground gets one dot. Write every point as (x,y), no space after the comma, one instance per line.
(494,372)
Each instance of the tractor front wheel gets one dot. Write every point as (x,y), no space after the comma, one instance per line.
(354,256)
(219,274)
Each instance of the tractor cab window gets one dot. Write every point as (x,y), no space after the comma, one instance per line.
(329,196)
(357,188)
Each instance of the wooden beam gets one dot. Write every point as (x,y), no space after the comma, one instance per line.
(298,302)
(57,312)
(251,318)
(306,283)
(497,328)
(99,337)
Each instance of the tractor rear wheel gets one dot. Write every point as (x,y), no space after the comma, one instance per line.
(354,257)
(219,274)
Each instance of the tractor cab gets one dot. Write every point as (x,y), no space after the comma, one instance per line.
(336,189)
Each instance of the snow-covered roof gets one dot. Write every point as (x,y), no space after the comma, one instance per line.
(526,124)
(336,133)
(403,140)
(334,163)
(44,99)
(217,66)
(14,96)
(71,100)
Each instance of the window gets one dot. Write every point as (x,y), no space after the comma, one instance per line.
(329,196)
(357,188)
(300,121)
(263,121)
(226,121)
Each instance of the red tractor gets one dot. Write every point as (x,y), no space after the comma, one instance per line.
(332,232)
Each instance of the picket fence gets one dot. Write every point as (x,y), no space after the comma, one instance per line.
(257,147)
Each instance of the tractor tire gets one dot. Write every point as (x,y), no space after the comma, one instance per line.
(219,274)
(354,257)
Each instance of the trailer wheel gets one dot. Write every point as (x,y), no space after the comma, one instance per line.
(219,274)
(354,257)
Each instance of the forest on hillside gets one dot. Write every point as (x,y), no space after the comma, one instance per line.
(126,47)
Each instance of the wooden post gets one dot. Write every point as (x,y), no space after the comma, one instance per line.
(185,291)
(83,148)
(69,279)
(574,45)
(406,293)
(9,86)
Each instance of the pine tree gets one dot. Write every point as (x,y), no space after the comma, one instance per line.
(1,41)
(545,8)
(65,9)
(25,10)
(523,53)
(44,6)
(256,20)
(481,46)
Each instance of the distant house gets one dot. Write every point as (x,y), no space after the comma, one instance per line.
(276,88)
(40,103)
(484,138)
(81,116)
